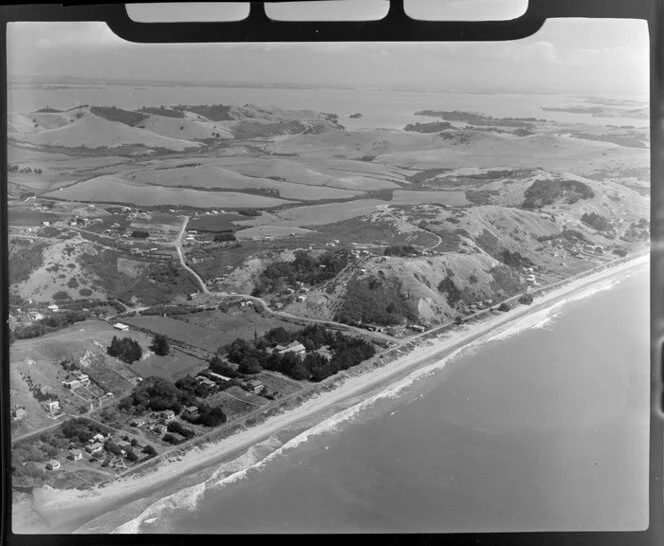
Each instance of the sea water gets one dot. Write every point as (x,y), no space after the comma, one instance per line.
(380,108)
(543,428)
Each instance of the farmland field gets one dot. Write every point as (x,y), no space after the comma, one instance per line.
(236,323)
(449,198)
(213,176)
(316,215)
(215,222)
(113,189)
(173,366)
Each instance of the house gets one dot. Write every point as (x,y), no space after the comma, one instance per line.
(417,328)
(120,326)
(124,445)
(94,448)
(53,464)
(97,438)
(167,415)
(219,376)
(138,422)
(53,308)
(72,384)
(206,381)
(75,454)
(34,315)
(82,377)
(51,405)
(46,224)
(301,298)
(159,428)
(190,412)
(255,385)
(18,413)
(294,347)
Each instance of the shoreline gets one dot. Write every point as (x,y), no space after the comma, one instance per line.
(67,510)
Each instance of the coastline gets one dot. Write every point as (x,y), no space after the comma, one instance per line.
(71,508)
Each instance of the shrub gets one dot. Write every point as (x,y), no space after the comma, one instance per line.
(61,295)
(85,292)
(149,451)
(504,307)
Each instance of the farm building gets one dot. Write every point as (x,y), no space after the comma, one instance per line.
(120,326)
(417,328)
(53,464)
(75,454)
(294,347)
(53,308)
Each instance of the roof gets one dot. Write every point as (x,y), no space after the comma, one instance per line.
(75,451)
(254,382)
(54,462)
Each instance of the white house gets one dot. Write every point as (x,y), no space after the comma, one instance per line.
(76,454)
(51,405)
(53,464)
(94,448)
(53,308)
(120,326)
(294,347)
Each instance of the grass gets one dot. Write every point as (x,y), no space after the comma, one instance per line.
(215,222)
(171,367)
(24,260)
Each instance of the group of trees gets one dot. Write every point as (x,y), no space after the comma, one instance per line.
(126,349)
(345,352)
(81,429)
(49,324)
(160,345)
(526,299)
(374,301)
(547,192)
(515,259)
(224,236)
(305,268)
(140,234)
(158,394)
(447,287)
(596,221)
(400,250)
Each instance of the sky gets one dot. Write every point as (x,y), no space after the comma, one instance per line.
(591,56)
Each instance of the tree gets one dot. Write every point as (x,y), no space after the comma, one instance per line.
(504,307)
(149,450)
(126,349)
(526,299)
(131,456)
(249,365)
(160,345)
(211,417)
(458,321)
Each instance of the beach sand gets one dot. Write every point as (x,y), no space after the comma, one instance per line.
(55,511)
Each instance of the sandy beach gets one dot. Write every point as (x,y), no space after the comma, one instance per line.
(50,510)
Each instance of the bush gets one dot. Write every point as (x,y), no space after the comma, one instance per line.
(171,439)
(85,292)
(547,192)
(61,295)
(140,234)
(504,307)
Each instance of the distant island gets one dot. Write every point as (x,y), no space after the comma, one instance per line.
(355,116)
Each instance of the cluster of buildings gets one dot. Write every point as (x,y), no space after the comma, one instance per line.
(77,379)
(294,347)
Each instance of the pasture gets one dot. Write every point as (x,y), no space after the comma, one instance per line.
(449,198)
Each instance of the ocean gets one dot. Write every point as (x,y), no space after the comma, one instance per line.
(387,109)
(545,427)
